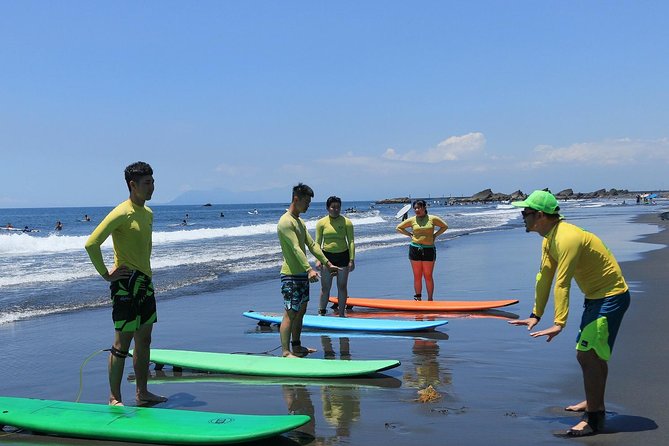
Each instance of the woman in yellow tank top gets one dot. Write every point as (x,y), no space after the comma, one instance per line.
(422,252)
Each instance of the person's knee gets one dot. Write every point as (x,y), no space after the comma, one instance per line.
(588,358)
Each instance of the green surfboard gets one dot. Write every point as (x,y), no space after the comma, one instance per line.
(180,377)
(260,365)
(141,424)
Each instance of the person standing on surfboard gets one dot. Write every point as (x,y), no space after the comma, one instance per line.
(422,252)
(334,234)
(296,272)
(569,252)
(130,225)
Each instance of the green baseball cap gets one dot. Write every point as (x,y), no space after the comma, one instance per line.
(540,200)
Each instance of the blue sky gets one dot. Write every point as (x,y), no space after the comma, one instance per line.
(362,99)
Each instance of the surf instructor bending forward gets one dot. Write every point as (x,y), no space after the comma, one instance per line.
(296,272)
(570,252)
(134,304)
(422,252)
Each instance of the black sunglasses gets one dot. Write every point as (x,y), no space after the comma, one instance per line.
(526,213)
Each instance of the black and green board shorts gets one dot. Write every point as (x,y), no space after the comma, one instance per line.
(134,302)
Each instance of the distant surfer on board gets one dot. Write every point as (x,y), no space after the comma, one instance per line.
(422,251)
(334,234)
(569,252)
(134,304)
(296,272)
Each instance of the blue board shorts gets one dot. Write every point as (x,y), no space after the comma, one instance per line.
(134,302)
(600,323)
(295,290)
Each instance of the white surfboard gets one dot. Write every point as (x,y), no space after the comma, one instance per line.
(403,211)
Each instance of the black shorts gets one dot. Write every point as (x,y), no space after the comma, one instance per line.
(422,254)
(340,259)
(134,303)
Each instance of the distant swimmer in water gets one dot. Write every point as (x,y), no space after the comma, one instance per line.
(184,223)
(222,215)
(253,212)
(87,218)
(59,226)
(9,226)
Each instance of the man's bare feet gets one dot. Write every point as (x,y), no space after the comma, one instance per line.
(289,354)
(580,407)
(115,402)
(582,429)
(590,424)
(149,398)
(301,351)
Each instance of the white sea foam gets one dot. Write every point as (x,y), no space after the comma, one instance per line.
(24,244)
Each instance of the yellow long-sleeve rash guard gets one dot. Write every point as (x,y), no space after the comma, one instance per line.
(571,252)
(293,236)
(131,229)
(422,229)
(335,235)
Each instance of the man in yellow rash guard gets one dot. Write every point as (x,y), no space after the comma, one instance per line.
(296,272)
(422,251)
(134,305)
(334,233)
(570,252)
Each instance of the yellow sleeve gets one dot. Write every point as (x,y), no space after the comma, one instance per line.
(101,233)
(350,239)
(295,259)
(568,252)
(544,280)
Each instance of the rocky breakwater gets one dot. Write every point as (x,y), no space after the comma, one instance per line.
(488,196)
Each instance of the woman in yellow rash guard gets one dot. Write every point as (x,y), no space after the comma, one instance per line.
(334,233)
(422,252)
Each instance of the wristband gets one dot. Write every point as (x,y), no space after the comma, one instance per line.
(532,315)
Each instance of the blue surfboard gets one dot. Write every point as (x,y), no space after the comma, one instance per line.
(350,323)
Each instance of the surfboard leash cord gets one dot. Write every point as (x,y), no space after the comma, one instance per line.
(81,371)
(267,352)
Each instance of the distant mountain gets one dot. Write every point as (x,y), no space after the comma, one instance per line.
(224,196)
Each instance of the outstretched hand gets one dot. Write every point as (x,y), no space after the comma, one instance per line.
(530,322)
(550,333)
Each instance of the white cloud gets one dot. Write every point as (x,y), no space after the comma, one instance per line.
(454,148)
(625,151)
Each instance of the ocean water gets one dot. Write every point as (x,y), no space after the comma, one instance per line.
(226,246)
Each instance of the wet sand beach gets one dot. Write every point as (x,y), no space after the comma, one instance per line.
(497,385)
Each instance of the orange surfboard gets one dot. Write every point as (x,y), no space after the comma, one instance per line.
(425,305)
